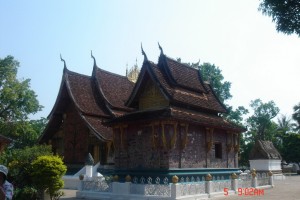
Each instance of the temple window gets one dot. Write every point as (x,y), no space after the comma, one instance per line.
(218,150)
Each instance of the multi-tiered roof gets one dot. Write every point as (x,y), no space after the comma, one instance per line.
(107,98)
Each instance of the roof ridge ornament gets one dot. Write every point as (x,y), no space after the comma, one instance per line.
(65,66)
(95,64)
(143,53)
(160,48)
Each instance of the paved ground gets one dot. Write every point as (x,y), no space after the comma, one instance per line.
(288,189)
(283,190)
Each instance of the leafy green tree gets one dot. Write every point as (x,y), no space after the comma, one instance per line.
(237,115)
(17,100)
(291,150)
(285,13)
(25,133)
(285,125)
(47,172)
(260,124)
(296,116)
(18,162)
(245,149)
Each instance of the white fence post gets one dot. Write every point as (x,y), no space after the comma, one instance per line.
(175,188)
(234,182)
(208,187)
(271,178)
(254,178)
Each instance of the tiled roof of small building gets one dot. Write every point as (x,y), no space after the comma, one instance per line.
(264,150)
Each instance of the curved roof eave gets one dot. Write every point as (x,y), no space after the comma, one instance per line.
(98,135)
(110,107)
(217,98)
(59,93)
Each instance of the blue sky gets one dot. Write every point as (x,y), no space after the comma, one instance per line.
(233,35)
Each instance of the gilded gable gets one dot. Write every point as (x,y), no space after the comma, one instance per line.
(151,97)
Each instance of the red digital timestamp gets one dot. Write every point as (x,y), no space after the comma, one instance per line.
(247,192)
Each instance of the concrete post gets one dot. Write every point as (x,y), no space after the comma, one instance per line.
(271,178)
(254,178)
(208,187)
(254,182)
(234,184)
(80,186)
(175,190)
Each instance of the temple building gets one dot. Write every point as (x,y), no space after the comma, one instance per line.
(168,120)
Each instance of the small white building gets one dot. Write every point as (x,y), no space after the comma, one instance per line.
(264,157)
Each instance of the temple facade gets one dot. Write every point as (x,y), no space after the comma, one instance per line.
(168,119)
(75,126)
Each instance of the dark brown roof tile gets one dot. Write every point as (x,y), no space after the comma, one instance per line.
(115,88)
(82,93)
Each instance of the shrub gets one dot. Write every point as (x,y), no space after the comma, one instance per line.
(47,172)
(18,162)
(26,193)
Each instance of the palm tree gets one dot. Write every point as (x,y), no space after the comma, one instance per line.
(296,116)
(285,125)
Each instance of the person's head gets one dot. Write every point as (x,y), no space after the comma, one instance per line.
(3,173)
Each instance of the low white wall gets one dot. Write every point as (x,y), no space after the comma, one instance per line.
(265,165)
(71,182)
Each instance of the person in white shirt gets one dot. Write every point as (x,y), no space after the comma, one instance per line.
(6,188)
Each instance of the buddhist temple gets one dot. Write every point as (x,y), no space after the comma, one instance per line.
(168,121)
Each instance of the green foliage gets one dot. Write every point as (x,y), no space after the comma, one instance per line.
(18,162)
(24,133)
(47,172)
(296,116)
(260,124)
(17,102)
(245,149)
(26,193)
(213,75)
(291,150)
(285,14)
(236,116)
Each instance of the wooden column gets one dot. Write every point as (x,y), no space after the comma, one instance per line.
(209,140)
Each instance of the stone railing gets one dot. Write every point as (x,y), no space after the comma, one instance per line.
(179,187)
